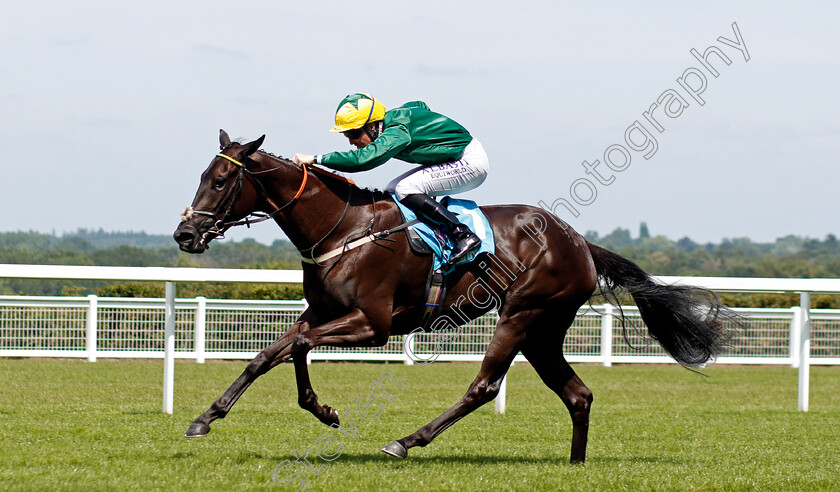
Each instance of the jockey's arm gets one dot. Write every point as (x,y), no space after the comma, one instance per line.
(390,143)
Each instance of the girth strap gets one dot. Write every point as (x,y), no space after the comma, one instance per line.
(317,260)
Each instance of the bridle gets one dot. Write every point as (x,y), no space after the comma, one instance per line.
(220,225)
(227,203)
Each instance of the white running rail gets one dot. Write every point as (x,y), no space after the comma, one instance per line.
(199,328)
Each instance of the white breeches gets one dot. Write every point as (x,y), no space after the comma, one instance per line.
(465,174)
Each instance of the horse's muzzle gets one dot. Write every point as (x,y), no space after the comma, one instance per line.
(189,239)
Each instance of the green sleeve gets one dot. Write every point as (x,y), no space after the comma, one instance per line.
(393,140)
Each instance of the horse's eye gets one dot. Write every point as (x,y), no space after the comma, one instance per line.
(220,182)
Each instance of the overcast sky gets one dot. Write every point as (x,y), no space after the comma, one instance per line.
(111,110)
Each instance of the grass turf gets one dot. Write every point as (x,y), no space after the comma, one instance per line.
(70,425)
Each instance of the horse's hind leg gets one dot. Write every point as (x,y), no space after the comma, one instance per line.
(544,350)
(279,351)
(500,353)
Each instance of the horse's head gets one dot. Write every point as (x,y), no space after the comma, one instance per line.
(223,197)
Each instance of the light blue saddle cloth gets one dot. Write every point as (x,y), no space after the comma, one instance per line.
(469,214)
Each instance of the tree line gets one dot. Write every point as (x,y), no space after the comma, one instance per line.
(786,257)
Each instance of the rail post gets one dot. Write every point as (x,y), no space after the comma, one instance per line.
(408,349)
(90,328)
(169,350)
(606,335)
(804,350)
(200,328)
(500,405)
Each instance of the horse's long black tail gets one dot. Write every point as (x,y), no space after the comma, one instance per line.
(689,322)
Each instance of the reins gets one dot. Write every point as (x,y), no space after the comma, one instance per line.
(220,225)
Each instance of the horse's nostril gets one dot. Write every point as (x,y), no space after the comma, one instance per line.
(189,239)
(184,237)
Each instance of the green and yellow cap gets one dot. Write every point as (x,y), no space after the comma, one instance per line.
(356,111)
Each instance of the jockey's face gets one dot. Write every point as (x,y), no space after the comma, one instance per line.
(362,141)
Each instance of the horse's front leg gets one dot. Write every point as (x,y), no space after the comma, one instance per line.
(279,351)
(352,330)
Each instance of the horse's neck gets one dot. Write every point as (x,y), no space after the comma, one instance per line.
(318,216)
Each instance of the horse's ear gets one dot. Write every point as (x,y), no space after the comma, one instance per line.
(224,139)
(252,147)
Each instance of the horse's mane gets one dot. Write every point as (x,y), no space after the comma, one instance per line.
(324,173)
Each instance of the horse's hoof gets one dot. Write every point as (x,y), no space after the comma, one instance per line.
(197,429)
(394,448)
(331,419)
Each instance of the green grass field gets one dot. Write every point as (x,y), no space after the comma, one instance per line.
(72,425)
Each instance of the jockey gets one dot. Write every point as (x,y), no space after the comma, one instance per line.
(451,160)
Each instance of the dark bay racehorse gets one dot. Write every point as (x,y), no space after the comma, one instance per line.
(542,273)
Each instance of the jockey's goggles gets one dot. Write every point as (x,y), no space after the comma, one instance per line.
(354,133)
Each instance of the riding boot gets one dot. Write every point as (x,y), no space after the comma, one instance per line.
(430,211)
